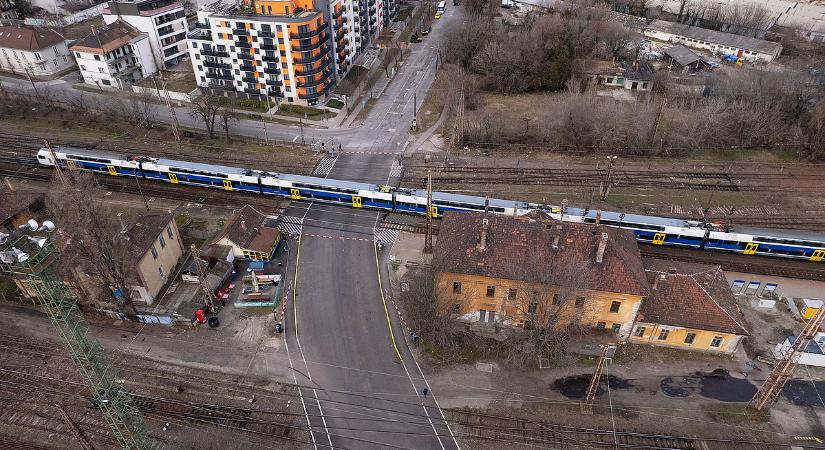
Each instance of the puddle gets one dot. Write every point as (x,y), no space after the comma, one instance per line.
(719,385)
(805,392)
(576,386)
(679,387)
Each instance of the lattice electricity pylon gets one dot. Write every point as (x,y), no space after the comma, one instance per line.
(125,420)
(769,392)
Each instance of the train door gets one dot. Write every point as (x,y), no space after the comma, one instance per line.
(818,255)
(434,211)
(658,239)
(112,170)
(227,185)
(295,194)
(356,202)
(750,248)
(173,178)
(71,164)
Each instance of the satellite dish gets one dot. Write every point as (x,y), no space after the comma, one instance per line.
(30,225)
(3,238)
(40,241)
(47,226)
(20,254)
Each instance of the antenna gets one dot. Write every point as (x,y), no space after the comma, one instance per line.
(47,226)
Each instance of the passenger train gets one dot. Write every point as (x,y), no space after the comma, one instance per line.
(648,229)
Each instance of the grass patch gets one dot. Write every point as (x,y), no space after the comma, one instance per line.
(304,112)
(335,103)
(250,104)
(176,81)
(433,103)
(735,414)
(181,219)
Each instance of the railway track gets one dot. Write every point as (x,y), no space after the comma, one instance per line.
(485,427)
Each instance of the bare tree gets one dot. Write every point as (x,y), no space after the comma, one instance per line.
(228,115)
(92,236)
(206,108)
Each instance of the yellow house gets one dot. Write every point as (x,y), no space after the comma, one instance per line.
(520,272)
(690,307)
(155,244)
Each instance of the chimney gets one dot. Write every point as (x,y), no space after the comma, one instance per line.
(600,250)
(122,224)
(243,224)
(482,243)
(556,242)
(598,218)
(660,276)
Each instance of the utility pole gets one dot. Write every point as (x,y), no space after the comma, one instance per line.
(610,160)
(415,104)
(203,284)
(57,169)
(657,120)
(29,258)
(32,82)
(769,392)
(428,238)
(168,103)
(301,123)
(587,405)
(266,135)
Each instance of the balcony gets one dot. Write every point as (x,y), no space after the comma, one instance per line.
(272,70)
(246,57)
(314,95)
(243,44)
(217,65)
(172,51)
(252,90)
(215,53)
(321,42)
(219,76)
(247,68)
(174,39)
(273,82)
(268,47)
(309,34)
(266,34)
(240,31)
(249,79)
(273,93)
(270,58)
(314,82)
(200,34)
(307,73)
(319,57)
(339,35)
(338,13)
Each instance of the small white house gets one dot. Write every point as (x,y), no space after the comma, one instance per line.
(114,56)
(33,51)
(812,355)
(163,21)
(715,42)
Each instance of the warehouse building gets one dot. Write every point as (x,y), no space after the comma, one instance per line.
(715,42)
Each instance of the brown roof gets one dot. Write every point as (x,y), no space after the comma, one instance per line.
(691,296)
(111,37)
(16,202)
(28,38)
(264,240)
(143,232)
(522,249)
(244,228)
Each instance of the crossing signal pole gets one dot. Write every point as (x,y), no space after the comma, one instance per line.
(769,392)
(428,238)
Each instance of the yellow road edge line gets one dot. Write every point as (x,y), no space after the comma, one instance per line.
(295,286)
(384,301)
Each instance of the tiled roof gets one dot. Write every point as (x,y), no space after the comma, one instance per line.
(691,296)
(143,232)
(111,37)
(716,37)
(246,228)
(522,249)
(264,240)
(28,38)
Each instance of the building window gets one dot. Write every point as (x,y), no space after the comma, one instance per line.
(160,272)
(616,328)
(579,301)
(169,231)
(37,56)
(491,291)
(82,67)
(76,54)
(600,325)
(154,252)
(644,85)
(456,287)
(716,341)
(640,331)
(97,57)
(532,307)
(556,299)
(455,309)
(486,316)
(690,338)
(162,242)
(663,335)
(614,307)
(511,294)
(100,69)
(106,82)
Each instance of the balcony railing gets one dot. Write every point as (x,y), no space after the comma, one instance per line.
(268,47)
(246,57)
(215,53)
(247,68)
(309,34)
(219,76)
(313,71)
(314,95)
(321,42)
(273,82)
(240,31)
(315,82)
(338,13)
(272,70)
(217,65)
(243,44)
(171,51)
(266,34)
(252,90)
(275,93)
(268,58)
(249,80)
(320,56)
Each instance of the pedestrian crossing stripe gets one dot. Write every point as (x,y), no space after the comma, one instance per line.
(324,166)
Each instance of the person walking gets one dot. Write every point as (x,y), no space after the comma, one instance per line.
(425,392)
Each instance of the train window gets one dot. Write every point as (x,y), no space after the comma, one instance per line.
(788,241)
(41,157)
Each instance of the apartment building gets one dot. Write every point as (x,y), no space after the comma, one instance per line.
(33,51)
(114,56)
(8,10)
(163,21)
(270,49)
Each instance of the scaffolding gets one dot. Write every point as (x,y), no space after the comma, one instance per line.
(126,421)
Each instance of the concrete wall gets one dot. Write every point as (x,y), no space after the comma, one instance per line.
(43,63)
(155,272)
(514,311)
(650,333)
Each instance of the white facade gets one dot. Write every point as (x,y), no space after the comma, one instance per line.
(165,25)
(812,355)
(44,62)
(715,42)
(115,69)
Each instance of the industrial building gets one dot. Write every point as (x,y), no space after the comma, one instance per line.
(715,42)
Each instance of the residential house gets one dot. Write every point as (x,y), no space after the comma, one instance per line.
(114,56)
(636,76)
(156,247)
(250,234)
(690,307)
(681,59)
(163,21)
(716,42)
(516,271)
(33,51)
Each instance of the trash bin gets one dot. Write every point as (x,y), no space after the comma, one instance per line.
(214,322)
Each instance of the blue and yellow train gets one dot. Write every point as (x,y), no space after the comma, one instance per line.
(648,229)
